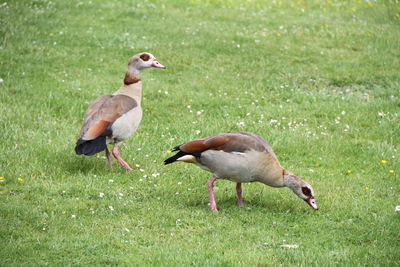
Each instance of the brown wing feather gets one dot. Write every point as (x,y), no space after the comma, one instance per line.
(96,130)
(228,142)
(194,146)
(241,142)
(102,112)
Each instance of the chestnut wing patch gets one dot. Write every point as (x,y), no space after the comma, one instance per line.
(236,142)
(228,142)
(194,146)
(103,112)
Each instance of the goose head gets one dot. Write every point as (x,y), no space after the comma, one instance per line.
(302,189)
(144,60)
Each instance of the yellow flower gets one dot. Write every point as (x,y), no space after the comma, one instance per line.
(349,171)
(169,151)
(366,188)
(391,171)
(19,179)
(2,179)
(190,100)
(383,161)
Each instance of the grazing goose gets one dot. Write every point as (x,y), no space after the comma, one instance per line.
(240,157)
(114,118)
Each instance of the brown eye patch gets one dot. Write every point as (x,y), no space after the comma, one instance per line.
(145,57)
(306,191)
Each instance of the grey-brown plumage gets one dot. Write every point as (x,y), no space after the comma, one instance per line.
(114,118)
(98,121)
(240,157)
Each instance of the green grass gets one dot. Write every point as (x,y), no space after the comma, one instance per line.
(319,80)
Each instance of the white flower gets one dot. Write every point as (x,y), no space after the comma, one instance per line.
(290,246)
(197,132)
(111,208)
(1,80)
(101,194)
(111,181)
(126,230)
(73,216)
(155,174)
(240,124)
(397,208)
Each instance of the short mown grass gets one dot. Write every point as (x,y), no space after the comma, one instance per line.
(319,80)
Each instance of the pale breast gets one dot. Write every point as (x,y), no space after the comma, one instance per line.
(269,170)
(235,167)
(127,124)
(249,166)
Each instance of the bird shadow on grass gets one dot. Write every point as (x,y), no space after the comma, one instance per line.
(249,206)
(224,204)
(83,165)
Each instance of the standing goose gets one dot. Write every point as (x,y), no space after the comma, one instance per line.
(114,118)
(240,157)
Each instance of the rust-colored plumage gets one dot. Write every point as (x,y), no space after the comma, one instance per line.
(104,111)
(227,142)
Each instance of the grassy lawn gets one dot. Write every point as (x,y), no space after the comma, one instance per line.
(319,80)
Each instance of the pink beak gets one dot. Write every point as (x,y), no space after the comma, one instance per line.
(311,202)
(157,64)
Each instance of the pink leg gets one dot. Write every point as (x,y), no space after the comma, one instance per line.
(239,194)
(108,156)
(210,184)
(118,157)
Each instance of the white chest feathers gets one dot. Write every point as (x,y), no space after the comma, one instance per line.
(126,125)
